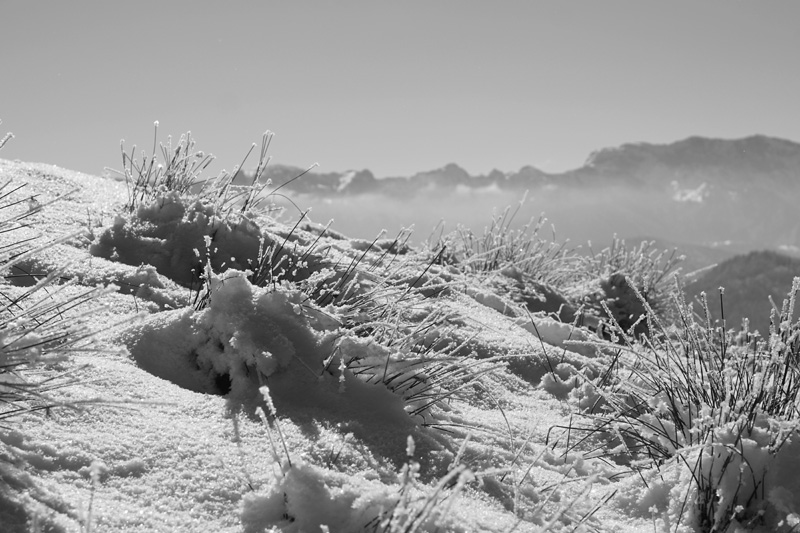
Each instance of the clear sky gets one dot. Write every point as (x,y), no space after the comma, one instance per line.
(395,87)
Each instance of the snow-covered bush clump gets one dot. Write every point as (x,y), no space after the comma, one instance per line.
(177,239)
(177,223)
(714,416)
(528,272)
(631,279)
(181,224)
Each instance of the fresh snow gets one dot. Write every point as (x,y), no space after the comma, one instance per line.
(249,413)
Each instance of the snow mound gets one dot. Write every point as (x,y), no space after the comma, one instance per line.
(248,337)
(308,497)
(243,333)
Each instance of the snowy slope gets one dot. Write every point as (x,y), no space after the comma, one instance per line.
(174,432)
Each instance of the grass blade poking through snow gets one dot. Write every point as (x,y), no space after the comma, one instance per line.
(7,137)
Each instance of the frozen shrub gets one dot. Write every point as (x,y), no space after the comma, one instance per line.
(691,397)
(629,277)
(500,247)
(177,222)
(182,223)
(177,238)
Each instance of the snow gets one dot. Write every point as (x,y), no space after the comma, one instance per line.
(697,195)
(441,408)
(345,180)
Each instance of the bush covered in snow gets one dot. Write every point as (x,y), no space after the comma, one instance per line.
(718,408)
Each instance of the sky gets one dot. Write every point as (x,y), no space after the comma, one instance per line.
(395,87)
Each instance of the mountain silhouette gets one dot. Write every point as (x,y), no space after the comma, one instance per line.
(726,166)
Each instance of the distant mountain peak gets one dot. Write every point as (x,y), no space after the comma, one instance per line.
(450,169)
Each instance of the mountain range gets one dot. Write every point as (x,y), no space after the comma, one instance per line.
(691,170)
(740,193)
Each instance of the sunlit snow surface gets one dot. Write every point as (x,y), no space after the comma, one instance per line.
(181,439)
